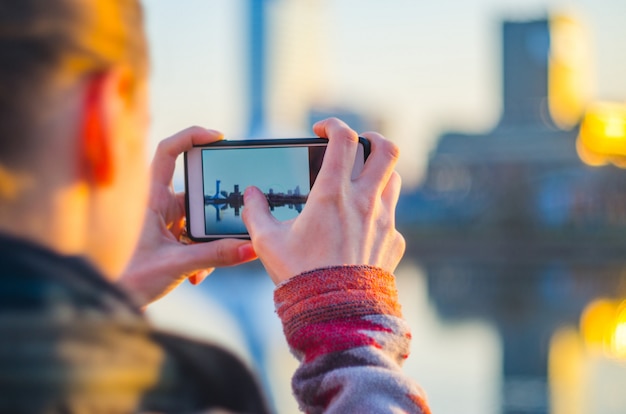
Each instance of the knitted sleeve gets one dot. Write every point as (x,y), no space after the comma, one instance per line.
(345,326)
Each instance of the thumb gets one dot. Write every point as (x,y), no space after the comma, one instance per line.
(256,213)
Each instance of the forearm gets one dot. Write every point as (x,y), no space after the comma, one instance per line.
(345,326)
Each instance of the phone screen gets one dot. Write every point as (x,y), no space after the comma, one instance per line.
(216,176)
(284,174)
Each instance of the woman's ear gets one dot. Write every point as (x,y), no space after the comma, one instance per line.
(96,146)
(107,95)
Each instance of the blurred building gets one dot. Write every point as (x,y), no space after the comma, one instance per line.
(524,180)
(511,226)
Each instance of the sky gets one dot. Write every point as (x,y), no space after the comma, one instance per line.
(241,166)
(419,67)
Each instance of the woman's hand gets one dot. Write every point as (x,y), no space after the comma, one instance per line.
(161,262)
(344,222)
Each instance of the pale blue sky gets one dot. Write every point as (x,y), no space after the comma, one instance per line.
(420,66)
(262,167)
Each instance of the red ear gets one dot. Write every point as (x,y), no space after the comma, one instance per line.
(97,160)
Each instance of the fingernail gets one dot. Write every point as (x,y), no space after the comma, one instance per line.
(198,277)
(246,252)
(201,276)
(248,192)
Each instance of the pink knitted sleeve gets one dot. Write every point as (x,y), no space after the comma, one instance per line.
(345,326)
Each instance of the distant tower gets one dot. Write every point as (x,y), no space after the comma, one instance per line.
(546,74)
(525,50)
(217,189)
(257,66)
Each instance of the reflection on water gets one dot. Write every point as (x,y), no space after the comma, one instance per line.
(527,304)
(457,362)
(223,210)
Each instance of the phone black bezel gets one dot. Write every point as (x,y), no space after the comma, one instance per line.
(272,142)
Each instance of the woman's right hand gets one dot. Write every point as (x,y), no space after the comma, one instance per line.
(344,222)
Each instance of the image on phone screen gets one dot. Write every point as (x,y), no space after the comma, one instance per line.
(284,174)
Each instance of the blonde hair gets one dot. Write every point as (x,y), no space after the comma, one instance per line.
(43,40)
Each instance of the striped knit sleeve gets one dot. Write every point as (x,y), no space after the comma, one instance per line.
(345,326)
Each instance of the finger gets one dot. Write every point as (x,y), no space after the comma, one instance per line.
(170,148)
(391,193)
(340,153)
(256,213)
(381,163)
(180,200)
(218,253)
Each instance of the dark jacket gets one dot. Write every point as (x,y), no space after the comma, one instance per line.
(71,342)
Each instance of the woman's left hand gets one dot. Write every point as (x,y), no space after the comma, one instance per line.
(162,261)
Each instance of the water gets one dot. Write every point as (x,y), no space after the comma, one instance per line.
(482,342)
(235,309)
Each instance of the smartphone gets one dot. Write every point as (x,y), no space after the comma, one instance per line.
(217,174)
